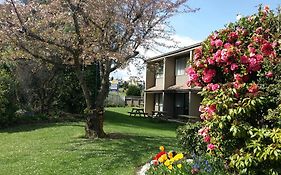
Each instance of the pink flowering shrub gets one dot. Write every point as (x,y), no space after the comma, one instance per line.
(236,67)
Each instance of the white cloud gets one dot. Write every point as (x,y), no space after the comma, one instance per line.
(132,70)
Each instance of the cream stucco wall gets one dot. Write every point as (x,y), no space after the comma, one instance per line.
(150,77)
(148,102)
(169,73)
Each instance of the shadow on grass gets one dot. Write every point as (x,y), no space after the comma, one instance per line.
(111,117)
(125,120)
(35,126)
(120,150)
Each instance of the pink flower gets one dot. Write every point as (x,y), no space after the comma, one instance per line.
(218,43)
(202,117)
(215,87)
(217,56)
(234,67)
(238,43)
(198,63)
(207,139)
(208,75)
(259,30)
(197,53)
(224,55)
(232,36)
(253,88)
(211,60)
(244,59)
(225,70)
(237,85)
(203,131)
(192,75)
(211,109)
(266,9)
(259,57)
(269,74)
(254,65)
(213,43)
(251,48)
(202,108)
(227,45)
(211,147)
(238,77)
(267,49)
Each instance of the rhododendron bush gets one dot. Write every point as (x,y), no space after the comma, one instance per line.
(239,71)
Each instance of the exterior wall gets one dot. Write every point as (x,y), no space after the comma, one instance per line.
(150,78)
(149,102)
(194,103)
(169,76)
(159,82)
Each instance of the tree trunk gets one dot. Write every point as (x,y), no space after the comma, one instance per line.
(94,113)
(94,124)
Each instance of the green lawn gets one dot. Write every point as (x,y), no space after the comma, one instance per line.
(59,148)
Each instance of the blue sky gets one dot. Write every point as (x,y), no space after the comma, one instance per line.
(214,14)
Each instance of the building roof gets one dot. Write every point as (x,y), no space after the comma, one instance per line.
(182,87)
(174,53)
(154,89)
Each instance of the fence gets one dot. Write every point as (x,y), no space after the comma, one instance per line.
(134,101)
(114,100)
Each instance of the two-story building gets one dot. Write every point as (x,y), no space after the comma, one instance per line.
(166,84)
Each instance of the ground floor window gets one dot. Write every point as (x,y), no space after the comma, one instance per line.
(158,98)
(182,103)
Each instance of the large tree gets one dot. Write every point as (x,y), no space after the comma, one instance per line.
(77,33)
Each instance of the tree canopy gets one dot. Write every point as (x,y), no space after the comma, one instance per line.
(77,33)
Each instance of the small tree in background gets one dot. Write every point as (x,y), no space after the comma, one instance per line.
(239,70)
(133,90)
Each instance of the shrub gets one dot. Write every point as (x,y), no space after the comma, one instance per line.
(189,139)
(8,105)
(133,90)
(239,70)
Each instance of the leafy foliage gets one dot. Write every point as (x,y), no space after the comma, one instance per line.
(133,90)
(189,139)
(239,70)
(7,95)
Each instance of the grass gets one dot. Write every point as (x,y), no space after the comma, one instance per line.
(59,148)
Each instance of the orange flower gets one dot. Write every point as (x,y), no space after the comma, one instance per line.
(162,148)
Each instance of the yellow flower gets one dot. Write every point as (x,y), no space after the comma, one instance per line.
(179,165)
(170,155)
(161,160)
(170,167)
(162,148)
(178,156)
(164,157)
(167,163)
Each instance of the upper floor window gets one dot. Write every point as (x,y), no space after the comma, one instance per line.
(159,71)
(180,66)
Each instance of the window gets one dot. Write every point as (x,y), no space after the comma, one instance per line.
(182,103)
(159,71)
(180,66)
(158,102)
